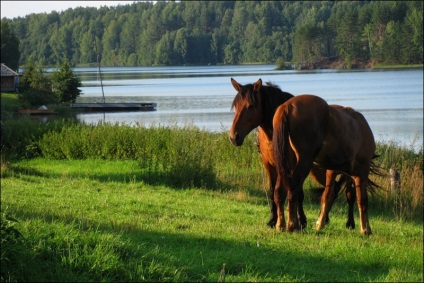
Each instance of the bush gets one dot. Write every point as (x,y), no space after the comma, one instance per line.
(19,138)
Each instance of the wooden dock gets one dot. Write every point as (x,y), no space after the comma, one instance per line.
(101,107)
(37,111)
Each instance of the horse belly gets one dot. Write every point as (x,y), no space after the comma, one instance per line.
(341,142)
(335,154)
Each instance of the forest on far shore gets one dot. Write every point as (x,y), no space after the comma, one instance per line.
(305,33)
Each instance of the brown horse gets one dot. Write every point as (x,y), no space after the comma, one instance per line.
(255,105)
(308,131)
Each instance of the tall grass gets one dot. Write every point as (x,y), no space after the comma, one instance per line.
(183,156)
(405,200)
(189,157)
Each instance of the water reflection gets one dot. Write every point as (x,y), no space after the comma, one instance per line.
(391,100)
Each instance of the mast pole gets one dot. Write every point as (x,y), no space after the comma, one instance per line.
(99,72)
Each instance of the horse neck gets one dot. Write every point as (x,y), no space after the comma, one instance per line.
(271,101)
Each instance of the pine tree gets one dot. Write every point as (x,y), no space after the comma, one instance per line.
(65,84)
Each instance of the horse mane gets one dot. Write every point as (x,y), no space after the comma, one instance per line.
(271,84)
(273,97)
(270,89)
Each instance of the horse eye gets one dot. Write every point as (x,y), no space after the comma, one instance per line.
(250,107)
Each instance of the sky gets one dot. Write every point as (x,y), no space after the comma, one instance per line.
(13,9)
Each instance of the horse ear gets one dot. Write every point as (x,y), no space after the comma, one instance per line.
(235,84)
(257,86)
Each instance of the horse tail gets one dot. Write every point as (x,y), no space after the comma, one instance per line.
(281,144)
(376,170)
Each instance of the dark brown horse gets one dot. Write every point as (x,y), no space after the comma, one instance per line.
(308,131)
(255,105)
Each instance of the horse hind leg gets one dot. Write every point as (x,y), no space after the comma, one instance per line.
(351,198)
(300,212)
(273,214)
(296,215)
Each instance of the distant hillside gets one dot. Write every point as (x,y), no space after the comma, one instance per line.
(226,32)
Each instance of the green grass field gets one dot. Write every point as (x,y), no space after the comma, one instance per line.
(90,220)
(118,203)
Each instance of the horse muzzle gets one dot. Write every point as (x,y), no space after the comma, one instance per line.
(236,139)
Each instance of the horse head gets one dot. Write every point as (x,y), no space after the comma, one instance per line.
(248,110)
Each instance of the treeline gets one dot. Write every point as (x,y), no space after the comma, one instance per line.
(225,32)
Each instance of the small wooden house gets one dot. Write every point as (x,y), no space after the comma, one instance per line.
(9,79)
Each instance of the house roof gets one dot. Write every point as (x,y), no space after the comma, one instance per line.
(7,72)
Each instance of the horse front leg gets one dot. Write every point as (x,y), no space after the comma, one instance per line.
(351,198)
(337,188)
(327,199)
(272,181)
(362,200)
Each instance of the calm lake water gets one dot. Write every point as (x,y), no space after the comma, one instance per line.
(391,100)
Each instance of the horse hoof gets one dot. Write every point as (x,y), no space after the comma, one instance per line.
(291,227)
(279,228)
(271,223)
(366,232)
(319,225)
(350,226)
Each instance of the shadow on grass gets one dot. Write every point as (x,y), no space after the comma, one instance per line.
(160,256)
(208,181)
(179,179)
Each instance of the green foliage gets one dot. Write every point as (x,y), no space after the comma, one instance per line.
(10,53)
(35,86)
(13,250)
(229,32)
(65,84)
(19,137)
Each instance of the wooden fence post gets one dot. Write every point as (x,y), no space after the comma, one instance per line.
(394,181)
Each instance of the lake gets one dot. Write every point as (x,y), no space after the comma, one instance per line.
(391,100)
